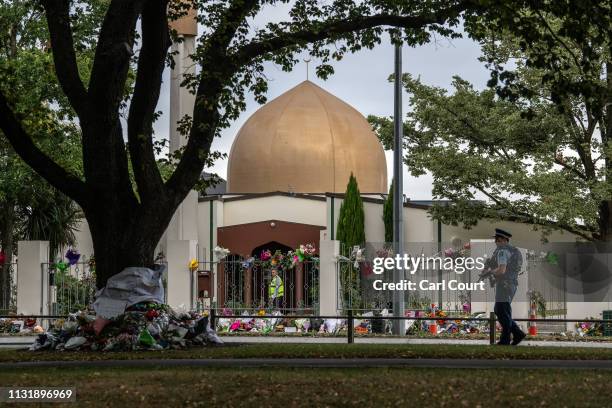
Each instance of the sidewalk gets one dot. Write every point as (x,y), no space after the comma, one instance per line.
(24,341)
(396,340)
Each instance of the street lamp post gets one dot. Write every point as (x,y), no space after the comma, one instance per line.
(398,201)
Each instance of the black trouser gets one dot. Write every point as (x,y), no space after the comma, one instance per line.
(503,310)
(276,302)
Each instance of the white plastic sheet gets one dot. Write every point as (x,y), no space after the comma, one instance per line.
(130,286)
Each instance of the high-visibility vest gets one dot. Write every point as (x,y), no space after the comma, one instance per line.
(274,284)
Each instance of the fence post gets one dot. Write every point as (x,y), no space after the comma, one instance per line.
(181,286)
(328,279)
(351,327)
(492,328)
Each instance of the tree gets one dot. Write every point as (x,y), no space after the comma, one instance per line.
(351,232)
(351,229)
(26,64)
(388,215)
(127,221)
(535,144)
(567,44)
(54,219)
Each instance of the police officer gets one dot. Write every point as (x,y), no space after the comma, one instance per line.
(276,290)
(506,265)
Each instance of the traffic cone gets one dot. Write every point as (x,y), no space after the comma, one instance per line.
(533,328)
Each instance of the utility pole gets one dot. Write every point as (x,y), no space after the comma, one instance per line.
(398,195)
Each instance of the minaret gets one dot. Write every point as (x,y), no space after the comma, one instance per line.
(184,222)
(181,100)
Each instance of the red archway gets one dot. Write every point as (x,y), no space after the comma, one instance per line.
(250,239)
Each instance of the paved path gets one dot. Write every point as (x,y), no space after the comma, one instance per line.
(396,340)
(24,341)
(323,363)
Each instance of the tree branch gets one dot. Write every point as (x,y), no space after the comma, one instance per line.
(113,53)
(526,218)
(151,63)
(23,144)
(260,47)
(205,114)
(64,57)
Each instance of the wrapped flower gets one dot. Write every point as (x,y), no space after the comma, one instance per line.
(246,264)
(193,265)
(73,256)
(265,255)
(61,266)
(448,252)
(309,250)
(221,252)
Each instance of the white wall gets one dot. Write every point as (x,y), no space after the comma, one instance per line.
(282,208)
(84,243)
(522,234)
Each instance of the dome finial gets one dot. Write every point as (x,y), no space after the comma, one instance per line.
(307,61)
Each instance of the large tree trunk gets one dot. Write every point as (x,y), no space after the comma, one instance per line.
(7,214)
(605,221)
(124,237)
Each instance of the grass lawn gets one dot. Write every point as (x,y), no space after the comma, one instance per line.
(135,387)
(329,351)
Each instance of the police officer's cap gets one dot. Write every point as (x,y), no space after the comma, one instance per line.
(501,233)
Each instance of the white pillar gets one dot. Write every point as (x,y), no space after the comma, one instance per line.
(328,278)
(32,277)
(183,225)
(182,283)
(482,302)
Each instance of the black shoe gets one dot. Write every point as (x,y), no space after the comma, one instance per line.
(517,338)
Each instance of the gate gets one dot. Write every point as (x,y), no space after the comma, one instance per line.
(242,285)
(71,287)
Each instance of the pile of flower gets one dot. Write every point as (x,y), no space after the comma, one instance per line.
(266,324)
(19,325)
(589,328)
(143,326)
(267,259)
(458,326)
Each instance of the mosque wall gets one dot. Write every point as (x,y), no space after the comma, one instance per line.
(83,239)
(521,233)
(282,208)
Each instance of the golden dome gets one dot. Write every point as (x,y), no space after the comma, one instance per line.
(306,141)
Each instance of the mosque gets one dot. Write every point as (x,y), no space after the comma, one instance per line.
(288,169)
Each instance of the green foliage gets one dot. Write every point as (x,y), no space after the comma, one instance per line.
(72,294)
(537,144)
(39,210)
(475,145)
(54,219)
(351,229)
(388,215)
(351,232)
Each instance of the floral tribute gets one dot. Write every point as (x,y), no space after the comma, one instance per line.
(73,256)
(267,259)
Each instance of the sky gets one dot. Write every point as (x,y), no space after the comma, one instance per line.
(360,79)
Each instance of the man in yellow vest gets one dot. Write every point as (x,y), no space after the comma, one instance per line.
(276,290)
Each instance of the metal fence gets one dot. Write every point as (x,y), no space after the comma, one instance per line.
(545,280)
(240,285)
(8,288)
(71,287)
(487,325)
(357,292)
